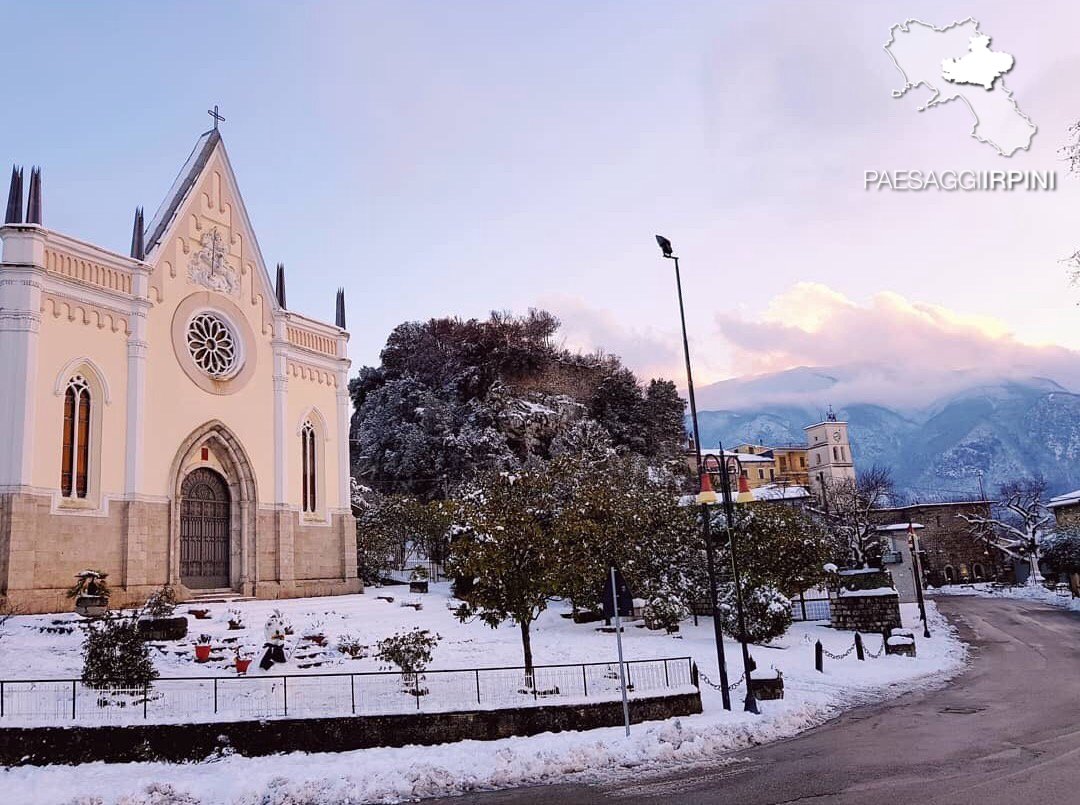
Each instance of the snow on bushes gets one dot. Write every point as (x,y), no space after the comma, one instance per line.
(767,613)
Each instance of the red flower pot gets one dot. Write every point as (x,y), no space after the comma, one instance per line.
(202,653)
(242,666)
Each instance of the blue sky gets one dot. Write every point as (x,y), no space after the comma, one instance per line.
(451,158)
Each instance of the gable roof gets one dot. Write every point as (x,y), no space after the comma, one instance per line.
(181,186)
(1068,499)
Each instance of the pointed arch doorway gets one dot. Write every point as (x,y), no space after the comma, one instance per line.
(205,530)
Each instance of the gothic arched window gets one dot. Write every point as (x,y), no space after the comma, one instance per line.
(75,460)
(307,452)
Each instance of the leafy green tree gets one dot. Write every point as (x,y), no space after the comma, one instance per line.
(615,513)
(508,544)
(780,546)
(452,398)
(665,415)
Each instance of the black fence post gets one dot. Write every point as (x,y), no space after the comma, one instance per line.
(1,699)
(285,690)
(73,699)
(145,699)
(819,657)
(352,692)
(694,674)
(859,647)
(667,681)
(802,603)
(584,681)
(478,686)
(215,695)
(416,687)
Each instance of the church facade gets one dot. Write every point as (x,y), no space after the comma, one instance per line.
(164,418)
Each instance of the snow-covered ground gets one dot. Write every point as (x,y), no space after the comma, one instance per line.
(1027,592)
(392,775)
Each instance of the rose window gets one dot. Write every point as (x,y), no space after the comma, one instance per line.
(212,345)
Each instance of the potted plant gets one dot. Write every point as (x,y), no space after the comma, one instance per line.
(314,633)
(156,621)
(202,648)
(200,614)
(418,581)
(91,593)
(242,663)
(236,619)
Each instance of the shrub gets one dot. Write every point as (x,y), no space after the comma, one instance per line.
(352,647)
(665,611)
(115,656)
(767,612)
(160,604)
(409,651)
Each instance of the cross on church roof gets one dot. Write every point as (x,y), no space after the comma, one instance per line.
(214,114)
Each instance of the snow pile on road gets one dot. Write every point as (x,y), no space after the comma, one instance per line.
(1027,592)
(399,774)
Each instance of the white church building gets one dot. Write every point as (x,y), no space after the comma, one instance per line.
(163,417)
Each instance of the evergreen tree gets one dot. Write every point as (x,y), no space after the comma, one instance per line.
(452,398)
(508,544)
(114,654)
(779,546)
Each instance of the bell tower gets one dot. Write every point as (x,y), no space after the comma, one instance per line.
(828,453)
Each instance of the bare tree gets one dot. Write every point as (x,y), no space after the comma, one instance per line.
(1017,522)
(1070,153)
(850,502)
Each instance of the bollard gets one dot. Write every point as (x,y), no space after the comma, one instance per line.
(859,647)
(819,657)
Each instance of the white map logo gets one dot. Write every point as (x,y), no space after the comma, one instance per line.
(956,62)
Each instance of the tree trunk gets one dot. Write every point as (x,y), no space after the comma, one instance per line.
(526,645)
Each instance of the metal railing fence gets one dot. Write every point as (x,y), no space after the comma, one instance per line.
(63,702)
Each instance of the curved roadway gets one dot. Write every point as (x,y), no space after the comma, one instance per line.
(1004,732)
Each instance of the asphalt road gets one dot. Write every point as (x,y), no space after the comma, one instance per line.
(1005,732)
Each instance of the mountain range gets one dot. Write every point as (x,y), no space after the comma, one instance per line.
(1000,428)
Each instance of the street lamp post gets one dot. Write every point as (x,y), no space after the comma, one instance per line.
(707,496)
(749,701)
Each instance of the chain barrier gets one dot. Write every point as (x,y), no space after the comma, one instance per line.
(832,656)
(720,688)
(874,655)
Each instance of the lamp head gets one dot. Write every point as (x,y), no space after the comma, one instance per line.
(665,246)
(706,495)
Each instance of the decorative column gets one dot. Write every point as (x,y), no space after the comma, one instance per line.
(136,527)
(22,272)
(283,517)
(344,471)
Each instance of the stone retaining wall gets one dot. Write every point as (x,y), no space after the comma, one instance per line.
(865,613)
(191,742)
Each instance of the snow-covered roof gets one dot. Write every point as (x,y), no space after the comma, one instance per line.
(899,527)
(745,458)
(778,492)
(184,181)
(1068,499)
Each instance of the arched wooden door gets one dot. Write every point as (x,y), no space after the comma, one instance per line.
(204,530)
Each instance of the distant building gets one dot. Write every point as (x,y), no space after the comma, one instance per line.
(1066,508)
(950,551)
(828,454)
(897,557)
(788,464)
